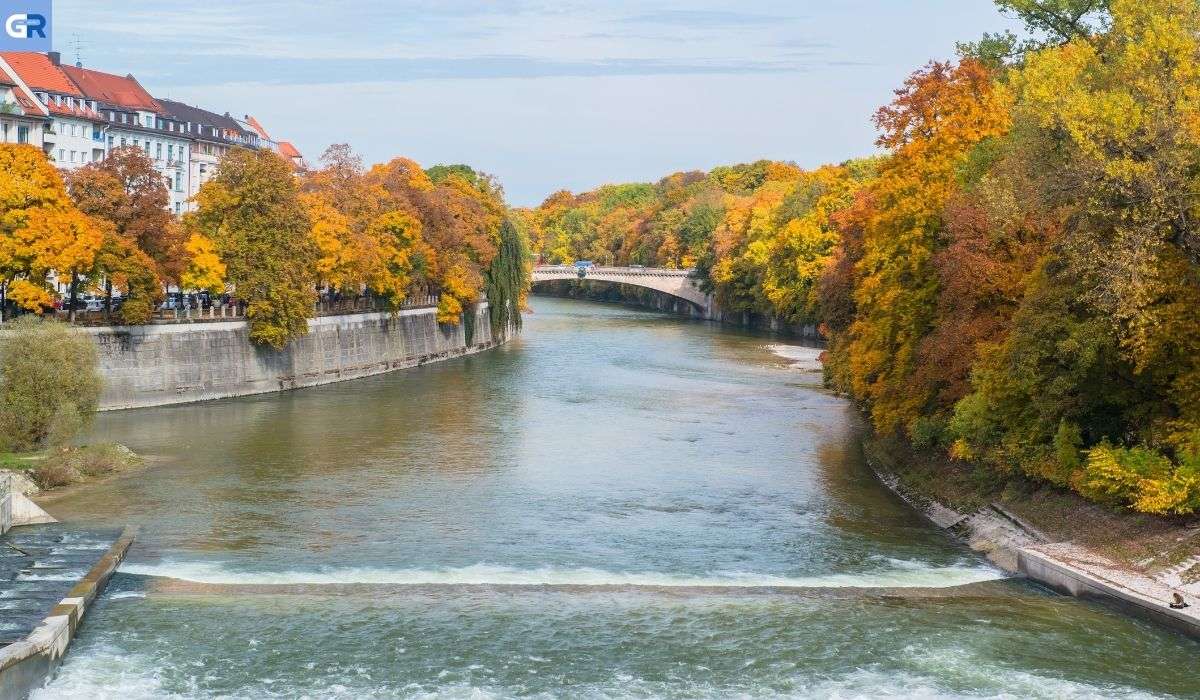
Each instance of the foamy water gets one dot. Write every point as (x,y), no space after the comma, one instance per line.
(800,357)
(111,674)
(906,575)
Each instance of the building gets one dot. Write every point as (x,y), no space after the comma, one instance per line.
(74,136)
(23,119)
(288,151)
(134,118)
(78,115)
(283,148)
(212,136)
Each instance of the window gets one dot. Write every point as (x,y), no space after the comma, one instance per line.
(96,133)
(122,140)
(72,156)
(176,207)
(178,182)
(73,129)
(158,151)
(62,155)
(170,151)
(22,134)
(136,143)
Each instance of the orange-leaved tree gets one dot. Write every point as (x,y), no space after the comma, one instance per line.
(41,230)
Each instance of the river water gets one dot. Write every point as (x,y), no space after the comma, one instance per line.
(619,504)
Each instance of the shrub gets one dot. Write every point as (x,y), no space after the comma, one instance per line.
(68,466)
(926,432)
(1143,479)
(49,387)
(53,474)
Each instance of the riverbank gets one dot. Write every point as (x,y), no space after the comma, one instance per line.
(172,364)
(1132,561)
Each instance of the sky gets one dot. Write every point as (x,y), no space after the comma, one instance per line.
(543,95)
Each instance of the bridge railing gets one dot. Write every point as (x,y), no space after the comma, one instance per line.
(647,271)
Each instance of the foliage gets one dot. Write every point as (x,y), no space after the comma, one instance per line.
(41,230)
(1025,271)
(395,228)
(68,466)
(507,281)
(129,269)
(49,386)
(205,269)
(127,190)
(252,212)
(759,235)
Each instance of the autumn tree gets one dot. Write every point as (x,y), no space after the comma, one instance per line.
(939,115)
(251,211)
(127,190)
(41,230)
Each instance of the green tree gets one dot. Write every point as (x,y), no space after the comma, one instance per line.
(507,280)
(49,386)
(251,210)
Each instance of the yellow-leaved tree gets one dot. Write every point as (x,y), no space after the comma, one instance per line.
(41,231)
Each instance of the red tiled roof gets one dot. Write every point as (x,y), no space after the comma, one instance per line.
(39,73)
(288,150)
(28,102)
(75,111)
(257,127)
(112,89)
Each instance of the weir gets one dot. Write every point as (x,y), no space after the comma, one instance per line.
(49,576)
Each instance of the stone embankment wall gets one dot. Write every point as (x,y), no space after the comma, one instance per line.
(1019,548)
(158,365)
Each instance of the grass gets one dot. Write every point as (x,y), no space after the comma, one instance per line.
(76,465)
(21,461)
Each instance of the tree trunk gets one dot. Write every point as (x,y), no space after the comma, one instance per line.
(108,298)
(73,294)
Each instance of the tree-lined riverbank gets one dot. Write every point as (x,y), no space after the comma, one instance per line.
(656,508)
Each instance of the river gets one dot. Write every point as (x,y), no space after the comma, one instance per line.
(618,504)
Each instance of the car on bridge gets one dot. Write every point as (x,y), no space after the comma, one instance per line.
(582,267)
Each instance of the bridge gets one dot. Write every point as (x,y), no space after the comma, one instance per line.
(680,284)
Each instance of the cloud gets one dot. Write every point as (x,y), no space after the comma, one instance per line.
(221,70)
(703,18)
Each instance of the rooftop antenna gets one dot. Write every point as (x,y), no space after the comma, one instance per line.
(77,46)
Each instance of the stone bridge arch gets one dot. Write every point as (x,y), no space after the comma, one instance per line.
(677,283)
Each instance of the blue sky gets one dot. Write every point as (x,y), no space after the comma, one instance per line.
(544,95)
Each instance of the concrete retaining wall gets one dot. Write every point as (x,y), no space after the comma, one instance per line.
(1073,580)
(180,363)
(6,496)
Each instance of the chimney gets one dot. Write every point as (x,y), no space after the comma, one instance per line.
(55,57)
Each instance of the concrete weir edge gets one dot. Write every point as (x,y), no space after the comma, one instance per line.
(26,665)
(1018,548)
